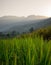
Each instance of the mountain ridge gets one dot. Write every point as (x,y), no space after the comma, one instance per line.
(17,17)
(22,24)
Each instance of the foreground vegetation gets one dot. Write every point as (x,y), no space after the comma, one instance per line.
(33,48)
(25,51)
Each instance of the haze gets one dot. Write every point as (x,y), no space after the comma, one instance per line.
(25,7)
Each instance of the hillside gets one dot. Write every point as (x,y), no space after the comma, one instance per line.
(19,24)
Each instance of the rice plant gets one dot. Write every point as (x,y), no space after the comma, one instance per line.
(25,51)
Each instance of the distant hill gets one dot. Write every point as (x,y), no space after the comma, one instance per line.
(33,17)
(23,24)
(11,18)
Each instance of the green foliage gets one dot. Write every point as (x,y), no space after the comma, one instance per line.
(45,32)
(25,51)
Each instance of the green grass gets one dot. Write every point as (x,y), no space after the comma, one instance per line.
(25,51)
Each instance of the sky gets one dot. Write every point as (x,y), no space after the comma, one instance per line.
(25,7)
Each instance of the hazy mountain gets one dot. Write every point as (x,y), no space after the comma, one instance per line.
(36,25)
(22,24)
(33,17)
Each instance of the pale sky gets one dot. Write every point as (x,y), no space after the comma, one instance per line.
(25,7)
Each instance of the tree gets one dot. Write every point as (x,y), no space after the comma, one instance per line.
(8,35)
(1,34)
(13,33)
(31,29)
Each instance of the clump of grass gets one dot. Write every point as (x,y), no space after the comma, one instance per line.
(25,51)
